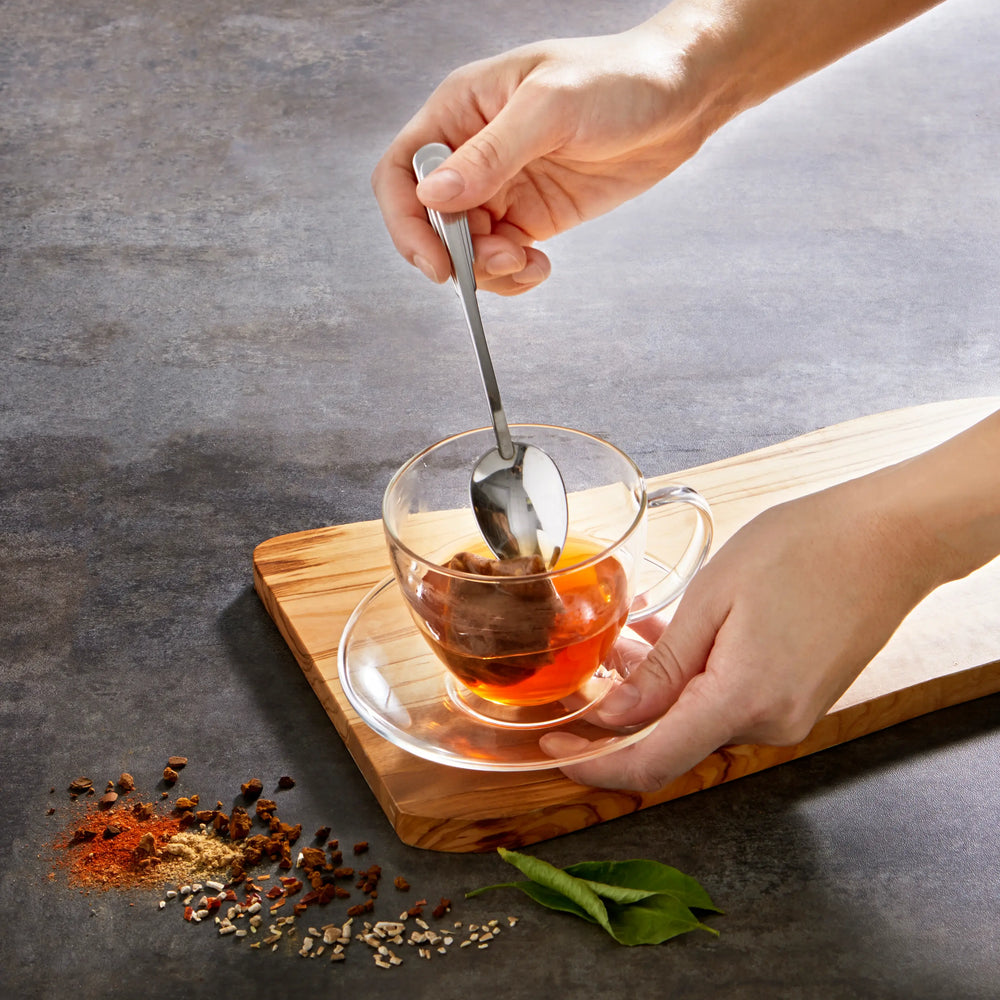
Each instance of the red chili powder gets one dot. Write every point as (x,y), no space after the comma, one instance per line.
(94,856)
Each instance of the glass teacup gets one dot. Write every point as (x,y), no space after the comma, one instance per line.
(512,633)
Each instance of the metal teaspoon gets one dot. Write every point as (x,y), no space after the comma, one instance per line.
(517,491)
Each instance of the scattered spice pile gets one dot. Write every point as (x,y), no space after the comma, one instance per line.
(210,861)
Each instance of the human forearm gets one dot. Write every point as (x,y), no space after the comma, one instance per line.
(748,50)
(948,501)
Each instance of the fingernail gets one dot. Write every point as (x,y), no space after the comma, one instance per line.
(502,263)
(425,266)
(562,744)
(619,701)
(530,275)
(441,185)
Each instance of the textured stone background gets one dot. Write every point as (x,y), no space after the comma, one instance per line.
(209,340)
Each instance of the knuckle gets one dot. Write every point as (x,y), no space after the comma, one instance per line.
(648,779)
(791,729)
(484,152)
(778,720)
(663,667)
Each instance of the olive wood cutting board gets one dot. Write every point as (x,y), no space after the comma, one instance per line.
(946,652)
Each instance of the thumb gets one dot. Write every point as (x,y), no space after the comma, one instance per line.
(478,169)
(678,655)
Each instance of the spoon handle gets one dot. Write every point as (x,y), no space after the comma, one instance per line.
(453,228)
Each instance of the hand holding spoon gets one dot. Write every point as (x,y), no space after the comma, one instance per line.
(517,492)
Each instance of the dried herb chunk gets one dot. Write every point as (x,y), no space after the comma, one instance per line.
(636,902)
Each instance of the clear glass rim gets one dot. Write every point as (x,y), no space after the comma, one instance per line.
(548,574)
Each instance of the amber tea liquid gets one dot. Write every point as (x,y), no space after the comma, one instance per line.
(523,642)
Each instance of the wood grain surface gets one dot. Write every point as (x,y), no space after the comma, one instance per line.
(946,652)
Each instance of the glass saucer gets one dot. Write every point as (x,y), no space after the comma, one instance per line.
(404,693)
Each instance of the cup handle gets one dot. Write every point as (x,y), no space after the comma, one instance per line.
(675,580)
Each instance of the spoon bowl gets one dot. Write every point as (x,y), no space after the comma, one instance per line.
(520,503)
(517,492)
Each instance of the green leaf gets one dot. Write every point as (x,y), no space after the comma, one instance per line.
(540,894)
(574,890)
(653,920)
(632,881)
(636,902)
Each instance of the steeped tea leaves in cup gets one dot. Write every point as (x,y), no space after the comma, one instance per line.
(515,635)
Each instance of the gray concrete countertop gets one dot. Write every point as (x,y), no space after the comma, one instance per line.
(208,340)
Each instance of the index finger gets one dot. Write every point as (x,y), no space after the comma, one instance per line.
(395,188)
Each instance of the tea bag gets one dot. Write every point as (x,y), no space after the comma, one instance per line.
(494,633)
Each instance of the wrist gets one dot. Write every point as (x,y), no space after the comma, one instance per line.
(945,503)
(699,45)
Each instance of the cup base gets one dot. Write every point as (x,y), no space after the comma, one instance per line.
(526,717)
